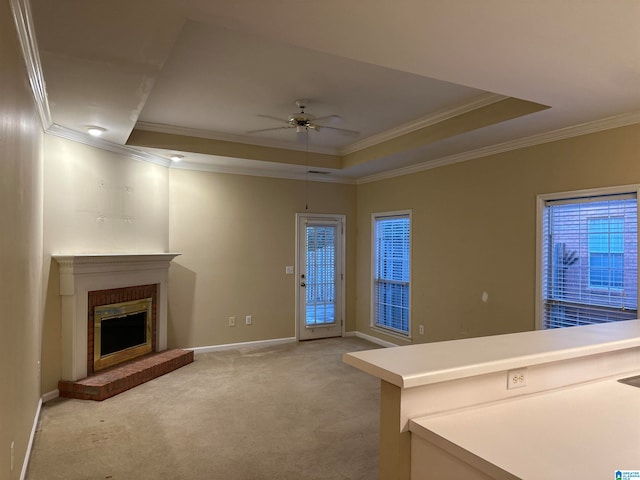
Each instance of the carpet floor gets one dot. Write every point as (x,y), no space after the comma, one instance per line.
(291,411)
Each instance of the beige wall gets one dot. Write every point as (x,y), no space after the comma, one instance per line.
(474,227)
(20,252)
(95,201)
(473,231)
(236,234)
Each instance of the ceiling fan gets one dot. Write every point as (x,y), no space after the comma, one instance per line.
(303,121)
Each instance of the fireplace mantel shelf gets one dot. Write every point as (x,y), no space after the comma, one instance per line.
(79,259)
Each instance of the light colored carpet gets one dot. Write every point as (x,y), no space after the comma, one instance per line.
(292,411)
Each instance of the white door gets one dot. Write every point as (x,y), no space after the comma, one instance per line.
(320,276)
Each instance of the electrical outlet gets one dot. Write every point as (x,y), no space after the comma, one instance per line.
(247,320)
(232,321)
(516,378)
(421,329)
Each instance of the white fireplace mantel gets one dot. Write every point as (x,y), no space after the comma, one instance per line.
(83,273)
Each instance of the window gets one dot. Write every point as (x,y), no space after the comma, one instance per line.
(321,274)
(391,271)
(589,251)
(606,252)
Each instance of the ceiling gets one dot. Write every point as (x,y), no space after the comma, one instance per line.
(422,82)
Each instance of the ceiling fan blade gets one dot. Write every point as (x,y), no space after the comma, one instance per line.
(327,117)
(273,118)
(269,129)
(341,130)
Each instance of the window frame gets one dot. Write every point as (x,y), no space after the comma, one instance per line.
(375,326)
(540,209)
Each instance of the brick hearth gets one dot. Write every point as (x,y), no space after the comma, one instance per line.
(125,376)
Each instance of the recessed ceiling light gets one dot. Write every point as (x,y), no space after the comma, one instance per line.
(176,158)
(96,131)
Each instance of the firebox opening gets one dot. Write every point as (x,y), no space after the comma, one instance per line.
(120,333)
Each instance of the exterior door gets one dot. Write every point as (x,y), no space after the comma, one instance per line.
(320,276)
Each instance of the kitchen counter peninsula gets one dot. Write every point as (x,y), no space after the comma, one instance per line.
(423,383)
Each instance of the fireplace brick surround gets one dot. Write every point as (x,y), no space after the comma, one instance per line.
(90,280)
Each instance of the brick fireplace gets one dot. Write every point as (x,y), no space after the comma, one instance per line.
(98,283)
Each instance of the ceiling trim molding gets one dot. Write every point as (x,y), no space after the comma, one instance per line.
(479,102)
(608,123)
(141,155)
(253,172)
(86,139)
(225,137)
(23,19)
(433,119)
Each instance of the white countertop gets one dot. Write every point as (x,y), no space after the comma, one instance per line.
(428,363)
(582,432)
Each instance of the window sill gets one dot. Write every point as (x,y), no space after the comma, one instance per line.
(407,338)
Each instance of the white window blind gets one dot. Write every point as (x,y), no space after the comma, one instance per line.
(391,272)
(590,260)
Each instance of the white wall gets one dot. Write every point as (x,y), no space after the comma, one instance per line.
(20,252)
(95,201)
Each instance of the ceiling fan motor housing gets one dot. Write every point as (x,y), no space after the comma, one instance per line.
(302,121)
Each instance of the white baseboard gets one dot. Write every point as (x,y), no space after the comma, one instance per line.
(276,341)
(27,455)
(375,340)
(53,394)
(231,346)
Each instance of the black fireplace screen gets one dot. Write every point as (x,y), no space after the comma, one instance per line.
(123,332)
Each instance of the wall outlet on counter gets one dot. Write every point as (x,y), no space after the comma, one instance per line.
(516,378)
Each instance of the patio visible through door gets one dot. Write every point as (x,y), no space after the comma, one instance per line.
(320,276)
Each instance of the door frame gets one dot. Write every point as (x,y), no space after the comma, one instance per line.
(341,244)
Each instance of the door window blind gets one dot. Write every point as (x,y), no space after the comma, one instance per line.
(320,274)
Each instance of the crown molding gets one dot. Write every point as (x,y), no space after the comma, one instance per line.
(257,172)
(479,102)
(432,119)
(226,137)
(126,150)
(608,123)
(23,19)
(141,155)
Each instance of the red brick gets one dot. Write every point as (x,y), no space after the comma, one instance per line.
(120,378)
